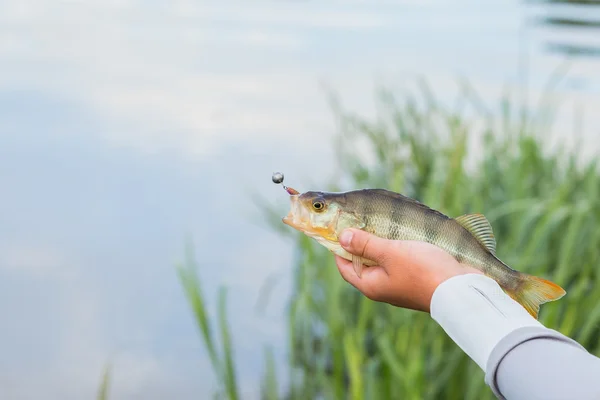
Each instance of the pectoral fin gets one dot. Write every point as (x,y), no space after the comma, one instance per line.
(357,263)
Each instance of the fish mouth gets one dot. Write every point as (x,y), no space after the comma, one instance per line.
(294,216)
(289,220)
(299,218)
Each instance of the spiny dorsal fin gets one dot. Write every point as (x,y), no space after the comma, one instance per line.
(480,228)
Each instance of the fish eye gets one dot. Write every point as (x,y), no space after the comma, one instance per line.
(318,205)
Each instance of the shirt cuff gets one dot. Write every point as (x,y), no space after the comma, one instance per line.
(477,314)
(511,341)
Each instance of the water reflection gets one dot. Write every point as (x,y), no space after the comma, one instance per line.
(573,50)
(570,2)
(570,19)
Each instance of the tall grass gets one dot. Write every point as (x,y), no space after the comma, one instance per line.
(221,360)
(543,207)
(104,385)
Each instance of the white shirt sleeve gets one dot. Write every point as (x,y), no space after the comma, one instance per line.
(521,358)
(476,313)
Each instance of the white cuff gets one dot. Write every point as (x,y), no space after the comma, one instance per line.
(476,313)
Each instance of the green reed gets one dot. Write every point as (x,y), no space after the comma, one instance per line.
(221,360)
(542,205)
(104,385)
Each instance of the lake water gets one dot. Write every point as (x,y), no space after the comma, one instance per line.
(127,127)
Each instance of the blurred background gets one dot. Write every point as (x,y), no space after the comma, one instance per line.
(137,143)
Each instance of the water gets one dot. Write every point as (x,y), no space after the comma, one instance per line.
(127,127)
(573,27)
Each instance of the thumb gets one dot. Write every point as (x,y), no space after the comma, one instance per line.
(365,245)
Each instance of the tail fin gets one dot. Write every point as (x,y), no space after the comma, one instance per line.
(535,291)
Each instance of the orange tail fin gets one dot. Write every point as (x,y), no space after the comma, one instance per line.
(535,291)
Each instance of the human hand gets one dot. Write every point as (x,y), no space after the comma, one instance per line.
(407,272)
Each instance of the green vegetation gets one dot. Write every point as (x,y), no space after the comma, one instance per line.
(222,363)
(543,207)
(104,385)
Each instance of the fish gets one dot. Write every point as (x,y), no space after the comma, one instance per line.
(468,238)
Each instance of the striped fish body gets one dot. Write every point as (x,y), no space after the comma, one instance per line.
(389,215)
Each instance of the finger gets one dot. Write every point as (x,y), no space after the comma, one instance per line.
(371,282)
(367,245)
(346,270)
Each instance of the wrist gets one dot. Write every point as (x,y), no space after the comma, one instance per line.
(439,277)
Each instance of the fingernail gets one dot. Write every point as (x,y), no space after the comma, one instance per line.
(345,238)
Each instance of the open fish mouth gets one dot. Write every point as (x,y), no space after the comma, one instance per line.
(289,220)
(298,217)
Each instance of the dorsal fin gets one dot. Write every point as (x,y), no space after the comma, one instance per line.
(480,228)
